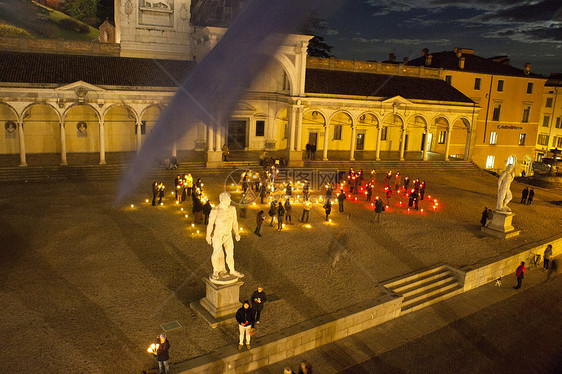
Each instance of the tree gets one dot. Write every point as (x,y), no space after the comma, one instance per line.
(317,47)
(83,10)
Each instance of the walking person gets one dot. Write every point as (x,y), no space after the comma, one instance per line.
(257,299)
(547,256)
(328,209)
(162,355)
(288,210)
(259,220)
(245,319)
(531,195)
(289,190)
(206,211)
(272,212)
(305,211)
(520,274)
(341,198)
(379,208)
(280,216)
(225,152)
(154,192)
(524,195)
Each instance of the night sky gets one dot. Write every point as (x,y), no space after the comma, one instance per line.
(526,31)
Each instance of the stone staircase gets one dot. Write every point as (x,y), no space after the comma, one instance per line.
(425,288)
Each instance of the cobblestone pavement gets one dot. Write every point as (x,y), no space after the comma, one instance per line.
(87,283)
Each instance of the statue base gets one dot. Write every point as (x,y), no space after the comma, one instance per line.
(221,302)
(214,159)
(500,226)
(295,159)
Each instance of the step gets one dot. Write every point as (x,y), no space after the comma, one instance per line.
(392,284)
(418,281)
(427,293)
(442,278)
(436,298)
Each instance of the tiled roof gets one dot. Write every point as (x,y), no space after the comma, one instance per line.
(554,80)
(449,60)
(380,85)
(38,68)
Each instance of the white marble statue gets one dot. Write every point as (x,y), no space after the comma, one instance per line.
(504,193)
(224,222)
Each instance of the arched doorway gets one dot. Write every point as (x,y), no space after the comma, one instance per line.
(340,133)
(367,128)
(391,136)
(416,137)
(82,134)
(120,121)
(9,138)
(42,134)
(438,130)
(459,139)
(313,127)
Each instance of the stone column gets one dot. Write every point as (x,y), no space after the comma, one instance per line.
(174,149)
(402,143)
(63,144)
(299,128)
(295,150)
(325,149)
(353,141)
(210,138)
(447,143)
(379,134)
(102,143)
(139,136)
(292,130)
(467,145)
(426,146)
(21,137)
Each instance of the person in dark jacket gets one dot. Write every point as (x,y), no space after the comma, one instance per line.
(288,211)
(160,193)
(379,207)
(280,216)
(328,209)
(547,256)
(341,198)
(162,355)
(154,192)
(259,220)
(524,195)
(313,151)
(206,211)
(484,218)
(531,196)
(289,190)
(520,274)
(305,368)
(197,209)
(272,212)
(257,300)
(307,147)
(369,191)
(422,190)
(263,192)
(245,319)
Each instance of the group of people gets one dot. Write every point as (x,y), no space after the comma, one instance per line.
(549,264)
(527,195)
(310,151)
(249,315)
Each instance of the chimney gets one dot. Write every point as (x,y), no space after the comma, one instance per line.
(428,59)
(405,60)
(425,52)
(527,68)
(461,63)
(391,57)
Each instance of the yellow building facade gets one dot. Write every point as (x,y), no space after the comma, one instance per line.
(550,122)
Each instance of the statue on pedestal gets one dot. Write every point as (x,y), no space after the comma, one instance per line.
(222,223)
(504,193)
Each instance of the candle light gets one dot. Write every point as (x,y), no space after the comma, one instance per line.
(146,200)
(161,204)
(186,216)
(132,205)
(181,209)
(193,225)
(198,231)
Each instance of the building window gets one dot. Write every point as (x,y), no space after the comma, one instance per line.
(558,124)
(286,83)
(490,162)
(500,85)
(384,132)
(543,139)
(522,138)
(493,137)
(260,128)
(448,79)
(526,113)
(497,110)
(549,102)
(557,142)
(546,121)
(442,137)
(477,83)
(337,132)
(286,133)
(530,87)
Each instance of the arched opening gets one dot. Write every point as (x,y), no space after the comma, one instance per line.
(438,137)
(391,136)
(511,160)
(273,79)
(120,121)
(339,135)
(367,128)
(148,119)
(42,135)
(82,134)
(416,137)
(282,126)
(9,140)
(313,126)
(459,138)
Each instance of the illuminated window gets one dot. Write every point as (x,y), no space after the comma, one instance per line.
(500,85)
(549,102)
(530,87)
(477,83)
(493,137)
(442,137)
(546,121)
(558,124)
(337,132)
(557,142)
(496,113)
(490,162)
(522,138)
(526,113)
(543,139)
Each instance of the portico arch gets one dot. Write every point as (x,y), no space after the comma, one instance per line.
(460,138)
(368,124)
(120,127)
(9,143)
(80,139)
(439,130)
(42,129)
(314,126)
(416,137)
(340,131)
(391,133)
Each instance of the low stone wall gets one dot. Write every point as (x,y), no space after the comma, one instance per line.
(479,274)
(297,339)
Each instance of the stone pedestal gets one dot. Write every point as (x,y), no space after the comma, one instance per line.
(500,226)
(295,159)
(214,159)
(221,302)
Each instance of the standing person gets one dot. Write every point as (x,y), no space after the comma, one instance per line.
(313,151)
(387,177)
(373,176)
(162,355)
(305,368)
(189,182)
(160,193)
(415,195)
(263,192)
(259,220)
(524,195)
(177,181)
(197,209)
(280,215)
(272,212)
(406,183)
(288,210)
(328,191)
(225,152)
(244,184)
(305,190)
(289,190)
(257,299)
(531,195)
(397,182)
(379,207)
(341,198)
(484,219)
(520,274)
(422,190)
(154,192)
(245,319)
(305,211)
(369,191)
(328,209)
(206,211)
(547,256)
(553,269)
(388,194)
(307,151)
